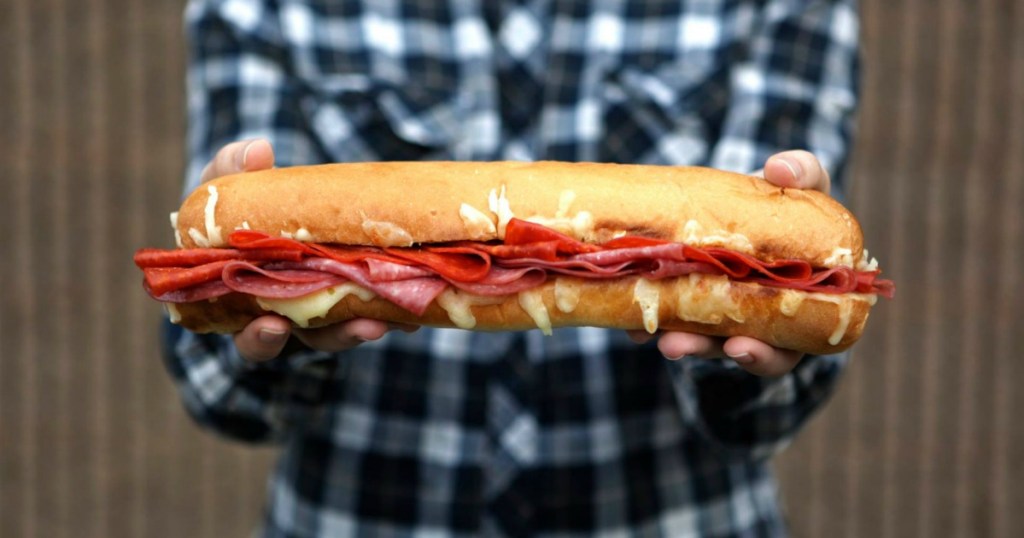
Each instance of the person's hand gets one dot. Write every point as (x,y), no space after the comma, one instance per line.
(796,169)
(265,337)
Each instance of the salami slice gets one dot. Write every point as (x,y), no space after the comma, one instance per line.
(274,282)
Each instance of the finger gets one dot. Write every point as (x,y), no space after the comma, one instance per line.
(760,358)
(343,336)
(242,156)
(263,338)
(404,327)
(797,169)
(676,345)
(640,337)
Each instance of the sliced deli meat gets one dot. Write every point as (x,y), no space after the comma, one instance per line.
(276,267)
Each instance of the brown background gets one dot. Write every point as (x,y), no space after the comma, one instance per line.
(924,438)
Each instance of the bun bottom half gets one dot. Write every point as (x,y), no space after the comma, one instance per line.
(813,323)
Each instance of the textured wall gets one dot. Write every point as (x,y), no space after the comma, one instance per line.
(922,440)
(925,437)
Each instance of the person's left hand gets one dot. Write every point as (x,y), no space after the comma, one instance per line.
(796,169)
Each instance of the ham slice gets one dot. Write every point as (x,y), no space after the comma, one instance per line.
(504,281)
(275,283)
(412,294)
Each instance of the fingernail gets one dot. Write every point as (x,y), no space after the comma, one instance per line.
(742,358)
(793,165)
(345,337)
(245,153)
(271,336)
(676,357)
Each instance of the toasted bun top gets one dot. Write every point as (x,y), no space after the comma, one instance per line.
(406,203)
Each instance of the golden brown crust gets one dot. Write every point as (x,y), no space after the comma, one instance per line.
(783,318)
(391,203)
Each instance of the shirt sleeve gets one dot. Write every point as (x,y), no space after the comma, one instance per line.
(795,88)
(240,86)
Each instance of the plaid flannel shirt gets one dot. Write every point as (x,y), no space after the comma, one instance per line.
(454,433)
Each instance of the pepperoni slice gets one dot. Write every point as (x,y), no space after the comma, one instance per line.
(165,279)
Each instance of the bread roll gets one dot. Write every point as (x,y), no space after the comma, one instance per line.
(411,204)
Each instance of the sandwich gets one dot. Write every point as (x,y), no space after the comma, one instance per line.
(499,246)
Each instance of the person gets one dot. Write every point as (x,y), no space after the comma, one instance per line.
(388,430)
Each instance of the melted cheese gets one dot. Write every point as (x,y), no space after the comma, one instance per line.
(706,299)
(648,296)
(567,294)
(458,306)
(497,202)
(478,225)
(301,234)
(172,312)
(845,309)
(315,305)
(386,234)
(213,234)
(791,301)
(174,226)
(533,303)
(695,234)
(843,302)
(580,226)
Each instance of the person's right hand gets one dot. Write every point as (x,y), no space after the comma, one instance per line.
(265,337)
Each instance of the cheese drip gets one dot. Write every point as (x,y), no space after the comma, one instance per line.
(792,299)
(315,305)
(458,306)
(648,295)
(533,304)
(567,294)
